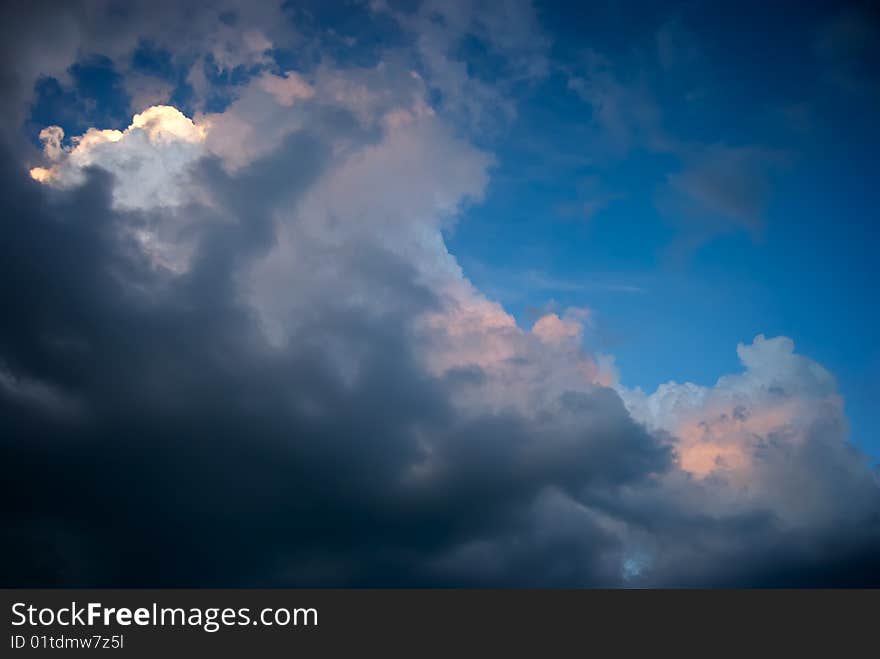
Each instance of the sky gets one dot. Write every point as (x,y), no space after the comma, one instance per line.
(439,293)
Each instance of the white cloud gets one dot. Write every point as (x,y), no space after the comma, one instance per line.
(773,437)
(150,162)
(149,159)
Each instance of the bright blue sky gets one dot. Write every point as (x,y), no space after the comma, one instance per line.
(763,117)
(809,270)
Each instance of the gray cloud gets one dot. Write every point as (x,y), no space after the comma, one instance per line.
(719,189)
(206,456)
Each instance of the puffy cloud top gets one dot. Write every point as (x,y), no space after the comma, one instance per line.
(150,158)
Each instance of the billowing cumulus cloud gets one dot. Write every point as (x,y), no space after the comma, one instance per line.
(247,357)
(149,159)
(757,432)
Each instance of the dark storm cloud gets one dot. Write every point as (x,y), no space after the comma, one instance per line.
(198,456)
(155,435)
(191,460)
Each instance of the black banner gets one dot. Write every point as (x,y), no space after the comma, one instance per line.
(414,623)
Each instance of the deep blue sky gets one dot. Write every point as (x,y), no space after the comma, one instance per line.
(580,210)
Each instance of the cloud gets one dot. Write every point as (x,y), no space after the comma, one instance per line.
(287,89)
(281,376)
(188,375)
(342,287)
(760,435)
(768,444)
(720,188)
(47,38)
(267,110)
(149,159)
(624,113)
(147,90)
(550,328)
(151,162)
(509,30)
